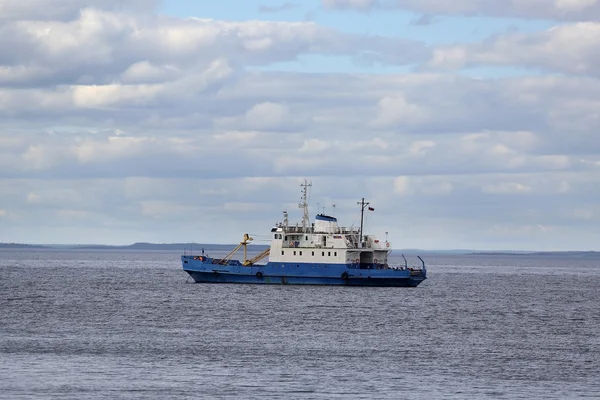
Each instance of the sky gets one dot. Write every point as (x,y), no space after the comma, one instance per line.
(466,124)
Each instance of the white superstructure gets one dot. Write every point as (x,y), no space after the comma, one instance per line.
(325,242)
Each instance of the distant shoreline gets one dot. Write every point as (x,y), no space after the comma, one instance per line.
(537,253)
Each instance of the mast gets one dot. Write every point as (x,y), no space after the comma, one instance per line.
(286,221)
(362,205)
(304,204)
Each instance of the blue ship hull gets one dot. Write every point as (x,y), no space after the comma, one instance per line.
(209,270)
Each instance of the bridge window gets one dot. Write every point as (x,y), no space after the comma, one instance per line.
(329,254)
(300,252)
(335,253)
(281,252)
(323,254)
(294,252)
(313,253)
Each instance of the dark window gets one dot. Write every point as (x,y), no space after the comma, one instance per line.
(300,252)
(323,254)
(335,254)
(281,252)
(306,237)
(313,253)
(275,236)
(286,238)
(329,254)
(294,252)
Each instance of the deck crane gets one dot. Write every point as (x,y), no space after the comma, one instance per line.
(244,243)
(256,259)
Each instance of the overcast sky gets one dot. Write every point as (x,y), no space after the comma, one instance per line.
(466,123)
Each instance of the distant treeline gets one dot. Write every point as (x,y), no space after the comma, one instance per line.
(21,246)
(169,246)
(135,246)
(541,253)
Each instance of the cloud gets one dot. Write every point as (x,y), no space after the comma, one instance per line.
(396,109)
(102,47)
(268,115)
(287,6)
(462,131)
(506,188)
(118,127)
(402,185)
(567,10)
(423,20)
(45,10)
(570,49)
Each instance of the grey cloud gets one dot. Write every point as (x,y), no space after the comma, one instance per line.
(66,9)
(423,20)
(101,47)
(267,115)
(165,124)
(161,209)
(576,10)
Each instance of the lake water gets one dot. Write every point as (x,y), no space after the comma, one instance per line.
(119,324)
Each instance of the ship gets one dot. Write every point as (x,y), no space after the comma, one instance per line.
(317,253)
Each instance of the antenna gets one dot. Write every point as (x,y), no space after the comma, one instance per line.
(304,204)
(333,206)
(362,205)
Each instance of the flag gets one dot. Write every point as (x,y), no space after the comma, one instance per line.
(371,209)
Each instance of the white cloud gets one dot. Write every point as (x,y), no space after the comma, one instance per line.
(268,115)
(146,72)
(230,137)
(104,47)
(402,185)
(507,188)
(423,186)
(315,145)
(119,126)
(421,146)
(571,49)
(545,9)
(393,110)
